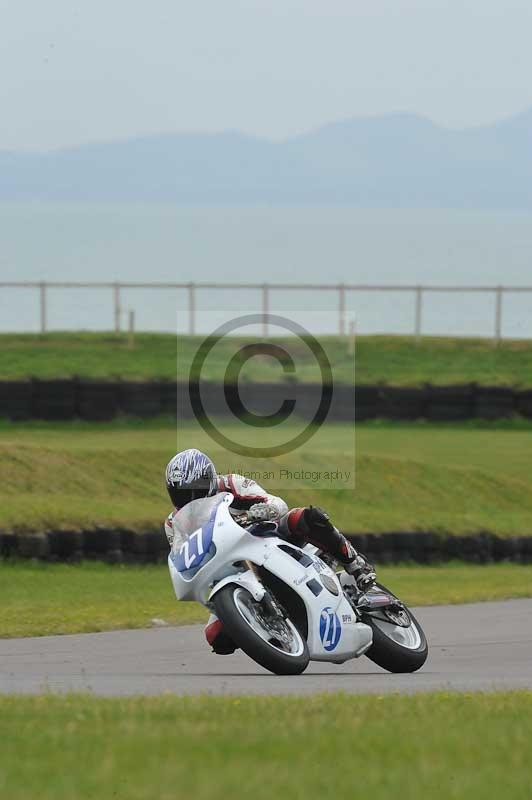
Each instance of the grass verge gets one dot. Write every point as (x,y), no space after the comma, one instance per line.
(389,359)
(440,746)
(39,599)
(408,477)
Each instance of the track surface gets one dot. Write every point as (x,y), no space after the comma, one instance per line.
(479,646)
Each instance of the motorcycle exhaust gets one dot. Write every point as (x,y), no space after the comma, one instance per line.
(375,600)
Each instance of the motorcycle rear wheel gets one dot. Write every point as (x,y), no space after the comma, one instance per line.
(274,643)
(396,648)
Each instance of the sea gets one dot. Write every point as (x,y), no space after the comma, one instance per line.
(135,243)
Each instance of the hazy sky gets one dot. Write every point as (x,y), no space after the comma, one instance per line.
(73,71)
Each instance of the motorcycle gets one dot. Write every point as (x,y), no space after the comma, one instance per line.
(283,605)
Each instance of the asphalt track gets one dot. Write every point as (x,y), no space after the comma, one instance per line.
(479,646)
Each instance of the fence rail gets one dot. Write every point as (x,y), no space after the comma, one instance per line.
(341,289)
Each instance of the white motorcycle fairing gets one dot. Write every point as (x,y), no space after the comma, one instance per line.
(208,552)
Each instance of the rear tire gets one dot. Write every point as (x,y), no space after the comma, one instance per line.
(231,603)
(390,654)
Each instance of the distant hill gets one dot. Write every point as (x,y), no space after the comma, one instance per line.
(397,160)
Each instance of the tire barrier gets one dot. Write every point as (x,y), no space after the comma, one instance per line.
(430,548)
(523,404)
(54,400)
(125,546)
(402,403)
(99,400)
(367,402)
(16,399)
(140,399)
(168,398)
(495,402)
(450,403)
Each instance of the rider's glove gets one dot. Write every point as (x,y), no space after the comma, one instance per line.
(261,512)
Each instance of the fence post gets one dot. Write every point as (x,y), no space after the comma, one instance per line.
(419,312)
(191,309)
(265,309)
(42,293)
(116,293)
(341,309)
(498,315)
(131,330)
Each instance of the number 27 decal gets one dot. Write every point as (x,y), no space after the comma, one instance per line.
(191,552)
(196,551)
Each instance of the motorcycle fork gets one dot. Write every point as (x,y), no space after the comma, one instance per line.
(268,602)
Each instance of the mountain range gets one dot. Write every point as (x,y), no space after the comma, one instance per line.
(392,161)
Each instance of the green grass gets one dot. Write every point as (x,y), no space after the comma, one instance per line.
(408,477)
(441,746)
(38,599)
(390,359)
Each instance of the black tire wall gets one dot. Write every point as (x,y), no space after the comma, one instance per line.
(99,400)
(116,545)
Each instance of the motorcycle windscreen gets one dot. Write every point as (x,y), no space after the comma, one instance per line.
(193,516)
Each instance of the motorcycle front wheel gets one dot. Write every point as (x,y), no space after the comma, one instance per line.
(399,643)
(273,641)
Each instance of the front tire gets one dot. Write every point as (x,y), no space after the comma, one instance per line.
(396,648)
(274,643)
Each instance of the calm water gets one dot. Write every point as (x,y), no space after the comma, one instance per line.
(135,243)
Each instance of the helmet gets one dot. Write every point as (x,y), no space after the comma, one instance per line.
(190,475)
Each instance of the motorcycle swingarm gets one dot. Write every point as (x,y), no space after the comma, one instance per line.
(382,604)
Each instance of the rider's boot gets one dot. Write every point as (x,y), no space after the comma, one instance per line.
(218,638)
(314,525)
(361,570)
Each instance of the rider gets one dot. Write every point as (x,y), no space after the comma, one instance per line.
(191,475)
